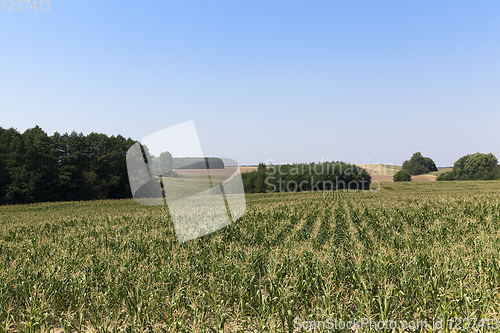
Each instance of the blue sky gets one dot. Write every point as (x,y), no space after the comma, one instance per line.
(289,81)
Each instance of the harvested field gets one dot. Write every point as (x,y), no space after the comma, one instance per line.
(244,169)
(213,172)
(385,172)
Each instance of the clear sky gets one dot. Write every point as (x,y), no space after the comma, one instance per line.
(291,81)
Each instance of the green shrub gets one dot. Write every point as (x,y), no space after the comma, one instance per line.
(446,176)
(402,176)
(473,166)
(476,166)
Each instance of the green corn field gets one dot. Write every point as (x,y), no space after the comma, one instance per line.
(412,251)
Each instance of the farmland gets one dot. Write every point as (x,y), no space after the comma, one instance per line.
(385,172)
(421,251)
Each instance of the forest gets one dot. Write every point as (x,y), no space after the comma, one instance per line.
(36,167)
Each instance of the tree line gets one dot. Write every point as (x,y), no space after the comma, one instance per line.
(36,167)
(477,166)
(326,176)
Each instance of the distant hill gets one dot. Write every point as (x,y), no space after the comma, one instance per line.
(385,172)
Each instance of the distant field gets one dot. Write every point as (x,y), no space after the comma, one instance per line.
(381,172)
(381,169)
(213,172)
(385,172)
(412,251)
(440,171)
(244,169)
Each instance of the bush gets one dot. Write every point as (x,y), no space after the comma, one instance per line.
(402,176)
(446,176)
(419,164)
(476,166)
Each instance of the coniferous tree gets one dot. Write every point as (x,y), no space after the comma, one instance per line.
(35,167)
